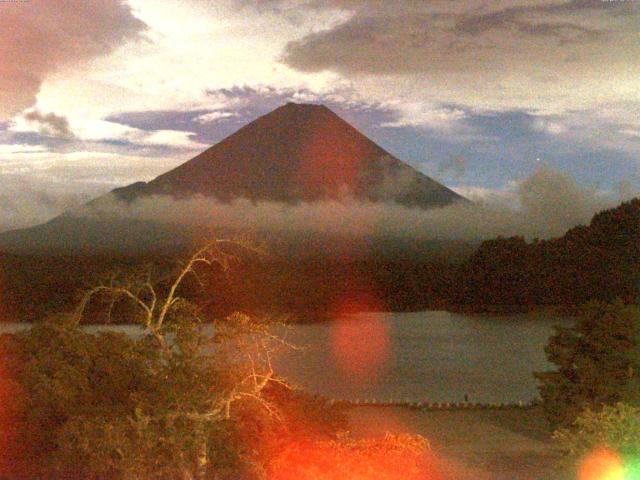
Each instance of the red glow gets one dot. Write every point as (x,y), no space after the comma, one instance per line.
(11,399)
(360,347)
(601,464)
(3,313)
(332,158)
(401,457)
(373,422)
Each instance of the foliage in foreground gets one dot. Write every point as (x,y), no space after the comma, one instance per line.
(158,404)
(394,457)
(112,406)
(107,405)
(616,427)
(168,402)
(598,363)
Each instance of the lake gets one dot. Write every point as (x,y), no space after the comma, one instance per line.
(420,356)
(427,356)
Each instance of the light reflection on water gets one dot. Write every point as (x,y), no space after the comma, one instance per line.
(434,356)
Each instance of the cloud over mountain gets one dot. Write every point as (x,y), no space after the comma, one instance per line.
(303,169)
(545,204)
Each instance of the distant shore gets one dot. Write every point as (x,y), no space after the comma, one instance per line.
(318,316)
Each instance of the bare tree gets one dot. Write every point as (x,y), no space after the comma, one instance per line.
(144,295)
(252,343)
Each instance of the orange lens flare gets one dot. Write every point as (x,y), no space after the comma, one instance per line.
(602,464)
(3,313)
(360,347)
(11,400)
(331,166)
(401,457)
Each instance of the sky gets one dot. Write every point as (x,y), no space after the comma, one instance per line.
(480,95)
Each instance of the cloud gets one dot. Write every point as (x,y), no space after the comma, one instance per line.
(548,126)
(111,131)
(100,171)
(631,133)
(553,201)
(25,202)
(626,190)
(174,66)
(444,119)
(612,126)
(546,204)
(100,136)
(213,117)
(11,149)
(84,171)
(104,130)
(40,38)
(485,195)
(169,138)
(240,105)
(38,184)
(50,124)
(539,56)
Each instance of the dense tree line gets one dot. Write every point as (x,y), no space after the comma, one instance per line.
(591,396)
(310,289)
(600,261)
(597,362)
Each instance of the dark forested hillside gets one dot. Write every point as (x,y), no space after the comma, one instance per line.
(305,289)
(599,261)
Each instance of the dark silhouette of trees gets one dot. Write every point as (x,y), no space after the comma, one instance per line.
(600,261)
(170,400)
(152,405)
(597,362)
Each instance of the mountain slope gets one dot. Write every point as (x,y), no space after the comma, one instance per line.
(296,153)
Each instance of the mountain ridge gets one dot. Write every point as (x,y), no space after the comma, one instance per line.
(295,153)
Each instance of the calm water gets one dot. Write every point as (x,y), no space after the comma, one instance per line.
(422,356)
(431,356)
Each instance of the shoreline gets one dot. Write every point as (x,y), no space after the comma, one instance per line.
(472,444)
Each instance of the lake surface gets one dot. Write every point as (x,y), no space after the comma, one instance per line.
(430,356)
(421,356)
